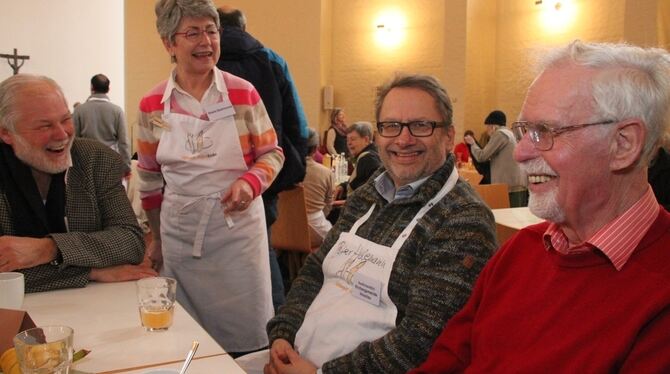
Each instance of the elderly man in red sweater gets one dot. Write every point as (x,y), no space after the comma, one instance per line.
(587,291)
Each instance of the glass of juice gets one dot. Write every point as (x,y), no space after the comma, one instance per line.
(156,297)
(44,350)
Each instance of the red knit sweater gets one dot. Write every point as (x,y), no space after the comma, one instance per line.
(534,311)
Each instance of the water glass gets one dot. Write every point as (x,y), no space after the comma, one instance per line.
(44,350)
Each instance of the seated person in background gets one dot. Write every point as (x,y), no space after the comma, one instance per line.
(461,150)
(366,158)
(402,257)
(659,177)
(589,290)
(65,215)
(318,186)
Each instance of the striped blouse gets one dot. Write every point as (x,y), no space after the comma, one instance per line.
(258,139)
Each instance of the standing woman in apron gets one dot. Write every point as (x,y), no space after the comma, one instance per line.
(207,150)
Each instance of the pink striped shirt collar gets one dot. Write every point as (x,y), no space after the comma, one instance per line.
(617,239)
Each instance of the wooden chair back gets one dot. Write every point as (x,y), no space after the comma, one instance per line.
(290,232)
(494,195)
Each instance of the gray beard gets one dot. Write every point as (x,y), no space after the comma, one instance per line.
(37,160)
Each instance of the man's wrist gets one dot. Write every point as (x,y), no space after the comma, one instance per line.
(50,252)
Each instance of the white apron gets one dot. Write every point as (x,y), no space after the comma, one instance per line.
(353,305)
(220,261)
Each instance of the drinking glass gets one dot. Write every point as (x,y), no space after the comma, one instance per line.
(12,286)
(44,350)
(156,297)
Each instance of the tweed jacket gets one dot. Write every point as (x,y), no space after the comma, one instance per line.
(103,230)
(431,279)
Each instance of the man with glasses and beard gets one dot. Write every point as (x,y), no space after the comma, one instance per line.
(587,291)
(400,260)
(64,215)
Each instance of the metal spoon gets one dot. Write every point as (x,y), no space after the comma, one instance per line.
(189,357)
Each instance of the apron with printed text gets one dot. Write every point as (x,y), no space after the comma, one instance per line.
(353,305)
(219,260)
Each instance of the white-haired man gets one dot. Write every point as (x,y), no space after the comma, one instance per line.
(64,216)
(588,291)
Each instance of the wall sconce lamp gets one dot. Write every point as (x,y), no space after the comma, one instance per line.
(557,16)
(390,29)
(557,5)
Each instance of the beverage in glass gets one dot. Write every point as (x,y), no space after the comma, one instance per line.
(156,298)
(44,350)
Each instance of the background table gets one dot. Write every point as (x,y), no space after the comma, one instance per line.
(511,220)
(106,321)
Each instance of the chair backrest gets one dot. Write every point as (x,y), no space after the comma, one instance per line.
(494,195)
(290,232)
(470,175)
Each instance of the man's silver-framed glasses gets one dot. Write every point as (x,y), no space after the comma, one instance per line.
(420,129)
(542,135)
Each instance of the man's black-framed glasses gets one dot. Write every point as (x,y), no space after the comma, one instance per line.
(391,129)
(194,34)
(542,135)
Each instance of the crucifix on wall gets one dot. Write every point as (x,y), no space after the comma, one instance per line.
(15,63)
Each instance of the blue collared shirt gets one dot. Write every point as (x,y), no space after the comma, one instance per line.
(385,186)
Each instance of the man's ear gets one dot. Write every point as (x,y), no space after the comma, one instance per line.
(627,144)
(6,136)
(451,134)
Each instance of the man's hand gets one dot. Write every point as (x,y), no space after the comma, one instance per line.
(285,360)
(23,252)
(238,197)
(122,273)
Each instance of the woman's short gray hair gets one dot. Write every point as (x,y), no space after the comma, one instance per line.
(9,89)
(170,12)
(633,82)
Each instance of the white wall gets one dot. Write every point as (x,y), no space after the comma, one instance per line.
(67,40)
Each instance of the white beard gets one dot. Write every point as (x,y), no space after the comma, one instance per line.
(543,205)
(37,159)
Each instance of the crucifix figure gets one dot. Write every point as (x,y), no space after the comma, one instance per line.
(15,64)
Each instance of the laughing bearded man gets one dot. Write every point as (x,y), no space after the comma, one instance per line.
(64,217)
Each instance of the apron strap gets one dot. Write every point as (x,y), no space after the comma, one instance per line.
(362,220)
(202,226)
(166,106)
(451,182)
(400,240)
(211,202)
